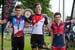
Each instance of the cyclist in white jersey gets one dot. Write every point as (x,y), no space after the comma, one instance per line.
(38,21)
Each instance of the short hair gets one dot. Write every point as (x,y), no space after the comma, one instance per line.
(57,13)
(19,7)
(36,5)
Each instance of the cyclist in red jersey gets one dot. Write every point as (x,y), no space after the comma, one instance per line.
(58,27)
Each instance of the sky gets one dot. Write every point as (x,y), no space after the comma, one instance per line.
(55,6)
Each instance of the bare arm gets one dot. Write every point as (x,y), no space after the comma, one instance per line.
(3,21)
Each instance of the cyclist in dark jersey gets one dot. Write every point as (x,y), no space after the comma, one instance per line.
(66,31)
(72,34)
(69,34)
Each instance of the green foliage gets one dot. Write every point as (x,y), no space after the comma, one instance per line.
(0,2)
(45,5)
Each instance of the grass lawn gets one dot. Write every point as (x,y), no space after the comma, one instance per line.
(7,43)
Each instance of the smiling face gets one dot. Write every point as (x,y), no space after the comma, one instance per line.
(38,8)
(18,11)
(57,17)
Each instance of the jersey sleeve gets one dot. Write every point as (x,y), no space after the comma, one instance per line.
(51,26)
(25,19)
(46,19)
(10,18)
(30,18)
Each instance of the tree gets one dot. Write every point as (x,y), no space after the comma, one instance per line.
(44,3)
(0,2)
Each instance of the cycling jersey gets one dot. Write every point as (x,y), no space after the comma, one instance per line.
(58,34)
(38,21)
(17,25)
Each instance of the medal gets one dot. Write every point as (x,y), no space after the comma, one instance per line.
(58,34)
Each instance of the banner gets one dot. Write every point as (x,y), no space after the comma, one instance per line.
(7,9)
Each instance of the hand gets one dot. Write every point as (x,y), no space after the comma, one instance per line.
(4,21)
(1,21)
